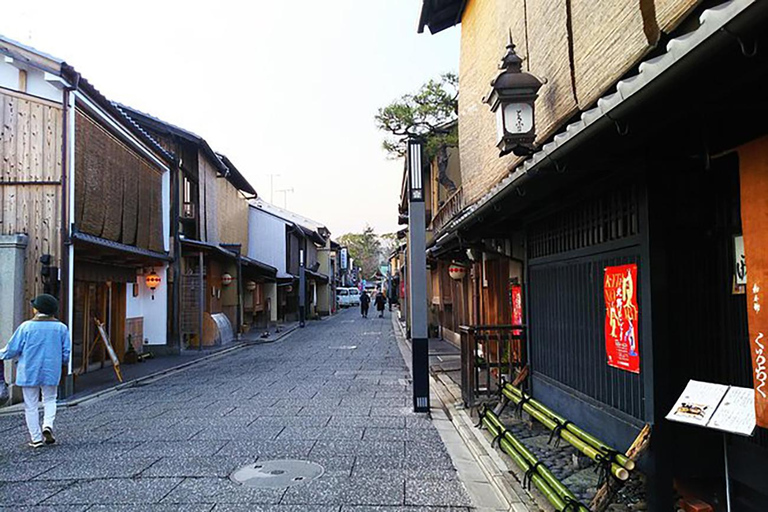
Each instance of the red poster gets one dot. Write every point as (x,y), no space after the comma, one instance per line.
(516,295)
(621,317)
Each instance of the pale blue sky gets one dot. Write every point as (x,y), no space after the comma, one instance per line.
(283,87)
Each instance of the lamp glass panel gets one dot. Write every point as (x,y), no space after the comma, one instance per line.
(518,118)
(499,125)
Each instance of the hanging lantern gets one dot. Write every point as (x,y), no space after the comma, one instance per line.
(250,286)
(512,97)
(153,281)
(226,279)
(457,271)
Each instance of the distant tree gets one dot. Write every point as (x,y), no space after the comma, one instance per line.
(365,248)
(429,113)
(388,244)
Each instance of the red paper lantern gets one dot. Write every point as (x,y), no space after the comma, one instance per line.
(153,280)
(457,271)
(250,286)
(226,279)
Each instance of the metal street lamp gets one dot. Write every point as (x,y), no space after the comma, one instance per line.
(512,98)
(417,276)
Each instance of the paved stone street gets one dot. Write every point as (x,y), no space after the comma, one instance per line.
(336,393)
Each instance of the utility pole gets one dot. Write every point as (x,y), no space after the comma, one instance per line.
(285,192)
(417,272)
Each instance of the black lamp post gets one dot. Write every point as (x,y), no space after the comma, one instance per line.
(512,97)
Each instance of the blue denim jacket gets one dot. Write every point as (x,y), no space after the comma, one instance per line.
(42,346)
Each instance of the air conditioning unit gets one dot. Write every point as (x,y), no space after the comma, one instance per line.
(188,211)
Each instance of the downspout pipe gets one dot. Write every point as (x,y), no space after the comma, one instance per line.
(65,221)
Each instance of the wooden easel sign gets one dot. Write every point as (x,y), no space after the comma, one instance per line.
(110,350)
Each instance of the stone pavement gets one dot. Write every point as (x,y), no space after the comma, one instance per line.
(336,393)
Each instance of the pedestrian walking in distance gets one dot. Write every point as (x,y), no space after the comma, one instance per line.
(381,303)
(42,348)
(365,302)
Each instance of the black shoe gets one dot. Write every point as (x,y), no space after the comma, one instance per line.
(48,435)
(36,444)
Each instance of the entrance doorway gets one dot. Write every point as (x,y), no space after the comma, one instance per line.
(104,301)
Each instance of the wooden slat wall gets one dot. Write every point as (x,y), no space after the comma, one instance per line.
(118,194)
(208,204)
(485,30)
(232,216)
(548,33)
(608,39)
(30,151)
(669,13)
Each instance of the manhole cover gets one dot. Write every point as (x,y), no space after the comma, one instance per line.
(277,473)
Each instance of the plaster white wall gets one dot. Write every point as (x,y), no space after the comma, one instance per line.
(36,83)
(266,238)
(154,312)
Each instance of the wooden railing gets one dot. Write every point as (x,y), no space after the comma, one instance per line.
(490,355)
(452,206)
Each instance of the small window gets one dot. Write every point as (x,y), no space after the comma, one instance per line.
(354,292)
(343,292)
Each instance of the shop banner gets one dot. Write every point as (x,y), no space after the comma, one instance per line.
(753,175)
(621,317)
(516,299)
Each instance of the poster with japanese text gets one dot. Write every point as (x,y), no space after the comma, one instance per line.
(621,317)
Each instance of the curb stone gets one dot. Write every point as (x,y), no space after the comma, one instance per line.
(485,476)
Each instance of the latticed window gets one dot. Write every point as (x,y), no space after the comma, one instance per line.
(607,218)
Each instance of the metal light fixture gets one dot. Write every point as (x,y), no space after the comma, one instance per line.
(415,170)
(512,98)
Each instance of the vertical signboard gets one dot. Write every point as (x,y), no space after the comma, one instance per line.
(753,175)
(343,257)
(621,317)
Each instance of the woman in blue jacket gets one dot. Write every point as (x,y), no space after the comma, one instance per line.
(42,348)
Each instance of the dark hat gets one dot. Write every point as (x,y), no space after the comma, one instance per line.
(46,304)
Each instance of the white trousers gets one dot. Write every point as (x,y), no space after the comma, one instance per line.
(31,403)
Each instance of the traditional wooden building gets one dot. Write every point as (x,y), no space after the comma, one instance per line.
(217,288)
(90,190)
(649,166)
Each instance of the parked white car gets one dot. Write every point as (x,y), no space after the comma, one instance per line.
(342,297)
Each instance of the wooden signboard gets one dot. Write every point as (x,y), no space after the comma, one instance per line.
(753,175)
(110,350)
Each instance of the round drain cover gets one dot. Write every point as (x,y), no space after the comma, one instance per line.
(277,473)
